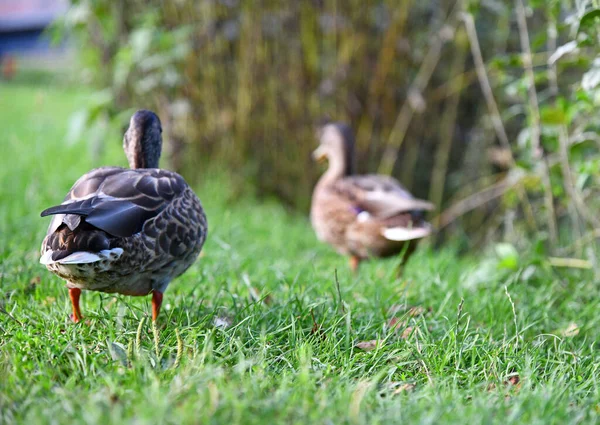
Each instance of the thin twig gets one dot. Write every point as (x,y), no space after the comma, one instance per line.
(573,263)
(492,106)
(3,310)
(386,62)
(476,200)
(549,201)
(396,137)
(552,73)
(536,151)
(484,81)
(533,100)
(337,284)
(448,122)
(583,241)
(569,183)
(514,310)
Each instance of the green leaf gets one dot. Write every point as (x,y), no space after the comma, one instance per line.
(508,256)
(589,20)
(591,79)
(551,115)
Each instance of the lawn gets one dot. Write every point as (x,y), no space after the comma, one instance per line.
(259,330)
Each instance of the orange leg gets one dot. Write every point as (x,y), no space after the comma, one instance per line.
(354,263)
(74,294)
(157,298)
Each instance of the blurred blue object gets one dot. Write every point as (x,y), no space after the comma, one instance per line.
(22,23)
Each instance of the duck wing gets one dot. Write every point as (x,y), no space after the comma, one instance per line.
(116,200)
(381,196)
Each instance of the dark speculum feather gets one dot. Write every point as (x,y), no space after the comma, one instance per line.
(120,218)
(417,216)
(117,218)
(82,208)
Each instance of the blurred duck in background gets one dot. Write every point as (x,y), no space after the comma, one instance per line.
(126,231)
(362,216)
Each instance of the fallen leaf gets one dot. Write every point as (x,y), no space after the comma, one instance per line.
(514,383)
(368,345)
(513,380)
(222,322)
(396,323)
(395,388)
(416,311)
(404,387)
(406,333)
(571,330)
(410,311)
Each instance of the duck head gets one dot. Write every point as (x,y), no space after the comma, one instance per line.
(336,145)
(143,140)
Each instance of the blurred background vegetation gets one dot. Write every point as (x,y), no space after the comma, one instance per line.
(487,108)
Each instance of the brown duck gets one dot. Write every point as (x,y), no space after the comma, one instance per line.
(362,216)
(127,231)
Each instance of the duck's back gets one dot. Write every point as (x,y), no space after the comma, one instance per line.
(117,222)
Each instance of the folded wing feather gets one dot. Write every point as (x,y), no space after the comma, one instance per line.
(382,196)
(116,200)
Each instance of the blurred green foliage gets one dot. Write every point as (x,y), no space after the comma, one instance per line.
(245,83)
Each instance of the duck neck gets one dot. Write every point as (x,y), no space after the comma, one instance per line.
(142,159)
(142,152)
(339,167)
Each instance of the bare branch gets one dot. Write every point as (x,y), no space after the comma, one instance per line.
(476,200)
(484,81)
(533,101)
(414,99)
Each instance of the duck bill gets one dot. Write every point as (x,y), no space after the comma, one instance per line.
(319,154)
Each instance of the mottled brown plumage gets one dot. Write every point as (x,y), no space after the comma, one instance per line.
(126,231)
(362,216)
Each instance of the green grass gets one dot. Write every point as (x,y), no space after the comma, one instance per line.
(263,272)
